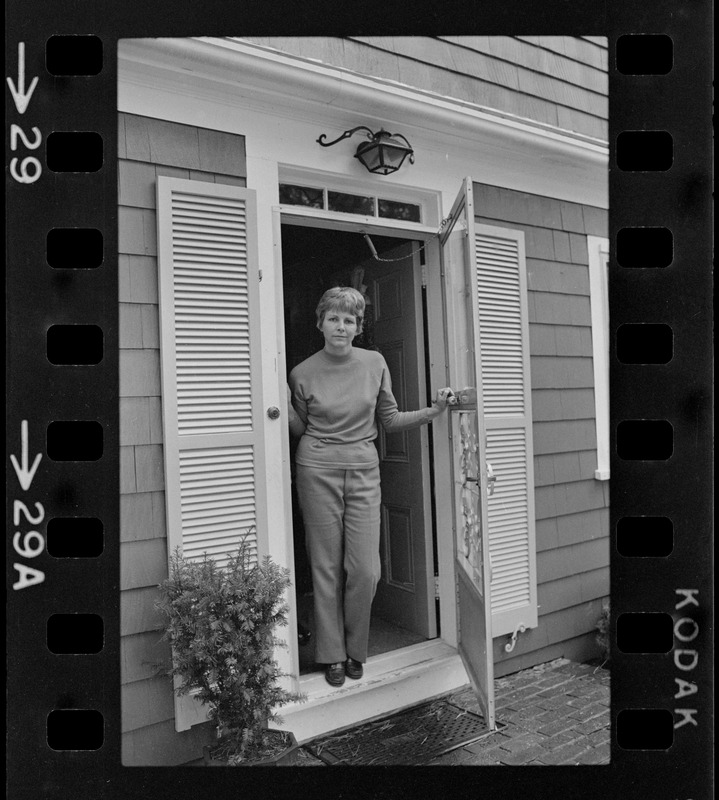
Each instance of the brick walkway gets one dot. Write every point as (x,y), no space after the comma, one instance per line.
(555,713)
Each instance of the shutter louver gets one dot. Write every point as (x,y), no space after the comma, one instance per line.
(506,395)
(212,321)
(210,367)
(508,514)
(500,326)
(217,494)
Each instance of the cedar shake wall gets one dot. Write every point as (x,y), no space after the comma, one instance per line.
(556,80)
(148,148)
(571,505)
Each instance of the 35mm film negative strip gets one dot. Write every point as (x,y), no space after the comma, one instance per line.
(138,138)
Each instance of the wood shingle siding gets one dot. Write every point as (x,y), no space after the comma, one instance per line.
(138,279)
(591,50)
(161,744)
(563,467)
(142,516)
(563,435)
(149,148)
(573,404)
(146,702)
(137,611)
(557,340)
(572,528)
(143,563)
(571,507)
(537,78)
(587,71)
(142,656)
(584,557)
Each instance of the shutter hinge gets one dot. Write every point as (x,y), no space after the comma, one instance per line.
(260,273)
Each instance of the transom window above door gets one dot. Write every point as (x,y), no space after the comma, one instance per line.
(368,205)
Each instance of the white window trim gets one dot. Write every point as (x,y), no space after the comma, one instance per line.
(598,247)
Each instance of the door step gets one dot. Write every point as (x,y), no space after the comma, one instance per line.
(391,682)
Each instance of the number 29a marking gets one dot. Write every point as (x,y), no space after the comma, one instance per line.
(28,545)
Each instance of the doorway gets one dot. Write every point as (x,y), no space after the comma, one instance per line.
(315,259)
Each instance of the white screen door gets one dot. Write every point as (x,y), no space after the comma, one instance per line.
(468,456)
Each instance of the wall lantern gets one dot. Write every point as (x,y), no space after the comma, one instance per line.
(383,154)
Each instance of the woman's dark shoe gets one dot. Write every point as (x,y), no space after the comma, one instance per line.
(335,674)
(353,668)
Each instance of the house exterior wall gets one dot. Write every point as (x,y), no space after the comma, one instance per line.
(556,80)
(148,148)
(572,510)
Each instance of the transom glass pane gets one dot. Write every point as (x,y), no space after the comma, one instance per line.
(301,196)
(312,197)
(395,210)
(350,203)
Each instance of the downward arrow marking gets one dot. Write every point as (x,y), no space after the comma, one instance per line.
(25,475)
(19,95)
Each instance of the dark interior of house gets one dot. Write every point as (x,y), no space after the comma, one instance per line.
(314,260)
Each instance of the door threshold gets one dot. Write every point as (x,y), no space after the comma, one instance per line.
(391,682)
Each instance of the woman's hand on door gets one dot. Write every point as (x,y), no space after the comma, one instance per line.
(445,397)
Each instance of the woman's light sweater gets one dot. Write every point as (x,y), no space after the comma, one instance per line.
(339,399)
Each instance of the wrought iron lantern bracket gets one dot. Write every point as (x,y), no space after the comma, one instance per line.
(321,139)
(383,153)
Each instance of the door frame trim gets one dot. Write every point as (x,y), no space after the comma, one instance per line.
(337,220)
(437,376)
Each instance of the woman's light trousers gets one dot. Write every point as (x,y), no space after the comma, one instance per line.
(341,514)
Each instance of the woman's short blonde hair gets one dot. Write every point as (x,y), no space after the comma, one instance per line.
(342,298)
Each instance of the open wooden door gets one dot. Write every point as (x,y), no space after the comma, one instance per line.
(470,475)
(405,594)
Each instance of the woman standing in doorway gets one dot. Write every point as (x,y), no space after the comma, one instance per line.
(336,396)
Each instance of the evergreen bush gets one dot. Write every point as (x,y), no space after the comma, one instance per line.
(220,624)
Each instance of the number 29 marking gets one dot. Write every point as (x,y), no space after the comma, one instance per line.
(25,175)
(30,167)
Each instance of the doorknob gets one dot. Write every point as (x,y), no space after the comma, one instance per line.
(273,412)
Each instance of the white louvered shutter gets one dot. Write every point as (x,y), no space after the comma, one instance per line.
(506,390)
(210,354)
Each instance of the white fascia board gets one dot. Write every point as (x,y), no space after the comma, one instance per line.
(289,82)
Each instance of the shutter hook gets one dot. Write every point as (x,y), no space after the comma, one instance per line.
(510,645)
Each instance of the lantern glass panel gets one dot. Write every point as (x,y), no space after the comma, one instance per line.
(393,156)
(370,157)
